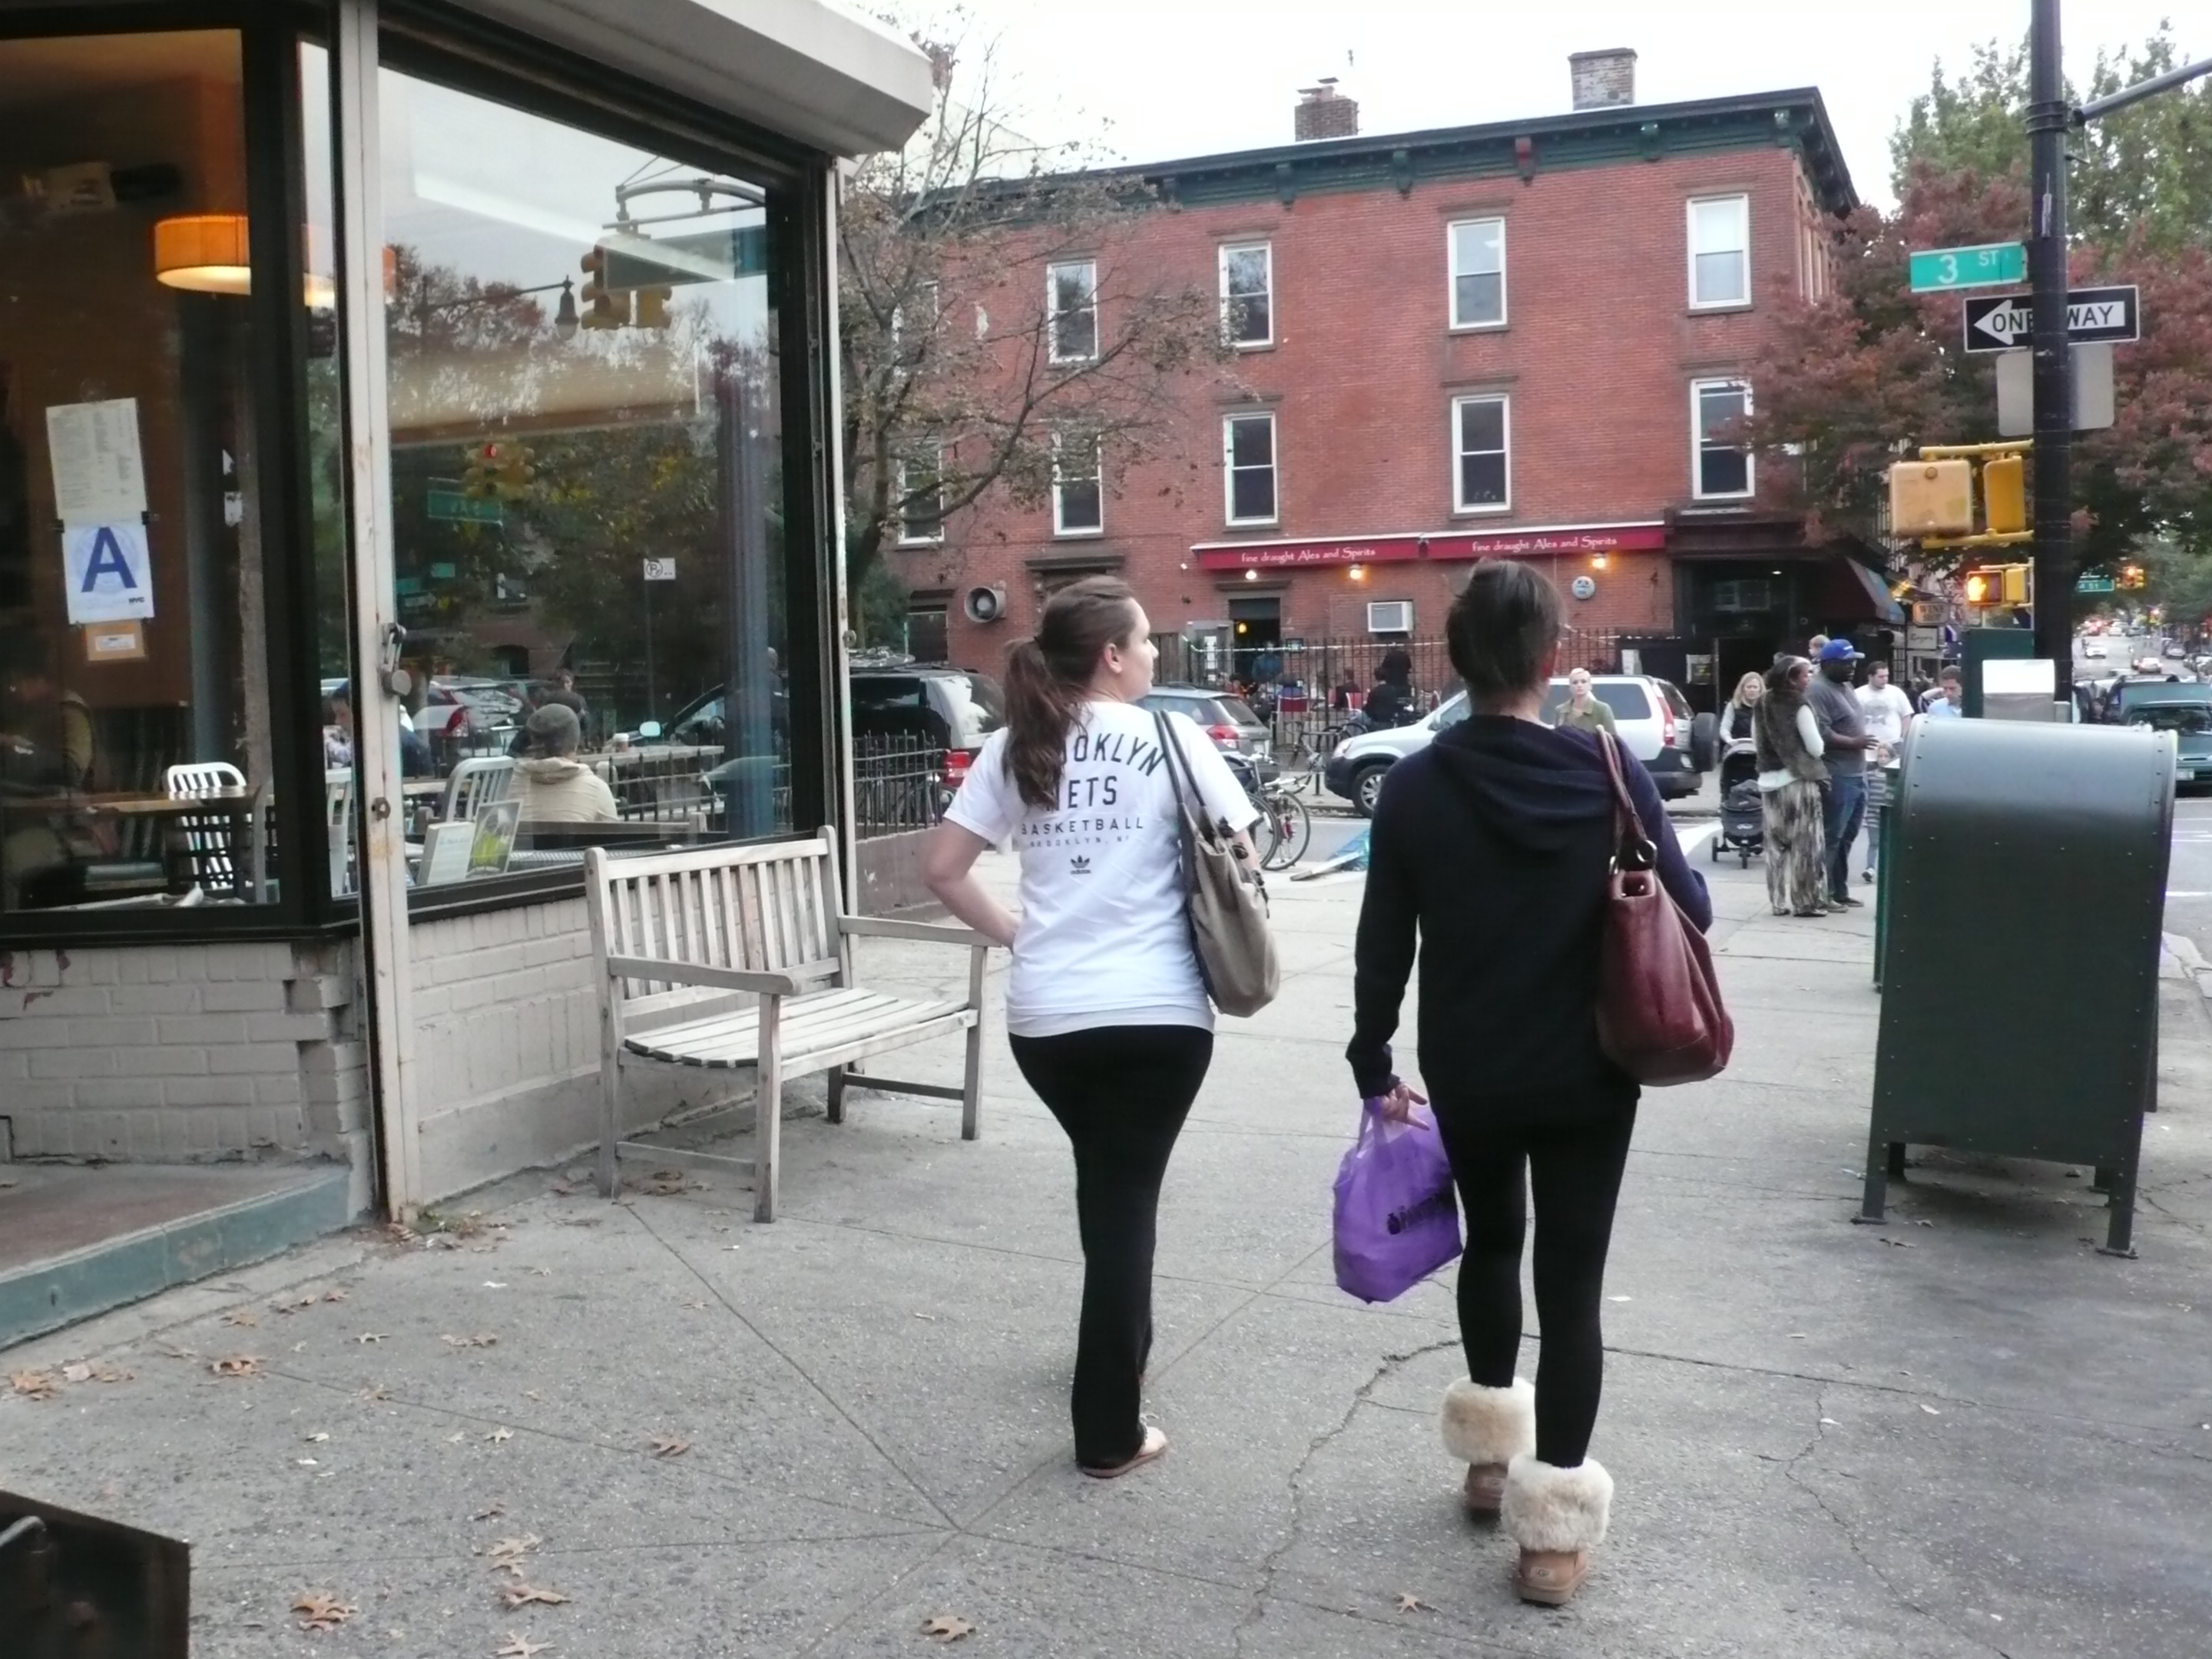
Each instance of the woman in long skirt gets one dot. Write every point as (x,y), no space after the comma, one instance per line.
(1790,774)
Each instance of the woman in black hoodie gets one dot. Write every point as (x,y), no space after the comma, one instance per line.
(1493,845)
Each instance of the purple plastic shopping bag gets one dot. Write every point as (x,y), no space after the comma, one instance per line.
(1397,1218)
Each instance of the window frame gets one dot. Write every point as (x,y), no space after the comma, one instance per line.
(906,536)
(1053,314)
(1061,528)
(1698,387)
(1266,249)
(1460,507)
(1455,322)
(1229,468)
(1743,199)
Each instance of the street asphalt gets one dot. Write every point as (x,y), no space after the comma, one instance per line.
(1963,1434)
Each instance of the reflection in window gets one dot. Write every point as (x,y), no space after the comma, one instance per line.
(586,482)
(136,748)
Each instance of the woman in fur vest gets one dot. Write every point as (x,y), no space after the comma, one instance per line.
(1790,774)
(1490,853)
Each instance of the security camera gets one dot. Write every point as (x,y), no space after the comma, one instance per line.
(985,605)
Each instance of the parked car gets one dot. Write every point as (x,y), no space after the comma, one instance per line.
(2191,722)
(2094,648)
(1357,766)
(1652,717)
(1222,715)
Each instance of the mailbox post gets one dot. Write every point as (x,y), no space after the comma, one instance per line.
(2026,879)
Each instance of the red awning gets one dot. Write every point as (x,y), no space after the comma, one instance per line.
(1565,540)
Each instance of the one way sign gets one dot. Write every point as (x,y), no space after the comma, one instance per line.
(2001,322)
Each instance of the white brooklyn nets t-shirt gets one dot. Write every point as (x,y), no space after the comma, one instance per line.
(1104,940)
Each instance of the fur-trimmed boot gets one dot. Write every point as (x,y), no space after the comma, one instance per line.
(1558,1517)
(1486,1429)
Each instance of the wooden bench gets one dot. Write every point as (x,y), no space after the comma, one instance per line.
(741,956)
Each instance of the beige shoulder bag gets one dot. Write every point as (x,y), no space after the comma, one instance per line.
(1222,895)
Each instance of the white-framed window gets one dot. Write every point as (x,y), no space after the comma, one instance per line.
(1720,470)
(1079,504)
(1071,292)
(1720,251)
(918,495)
(1482,442)
(1248,443)
(1247,294)
(1478,273)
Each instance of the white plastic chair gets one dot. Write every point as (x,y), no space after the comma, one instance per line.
(199,778)
(477,783)
(219,863)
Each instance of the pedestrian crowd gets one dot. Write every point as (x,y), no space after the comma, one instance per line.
(1506,828)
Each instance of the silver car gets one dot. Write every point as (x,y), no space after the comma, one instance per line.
(1222,715)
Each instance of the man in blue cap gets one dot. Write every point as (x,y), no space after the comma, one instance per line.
(1845,743)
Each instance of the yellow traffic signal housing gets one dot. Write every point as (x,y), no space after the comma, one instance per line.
(2015,584)
(1931,498)
(476,475)
(653,306)
(2004,493)
(603,308)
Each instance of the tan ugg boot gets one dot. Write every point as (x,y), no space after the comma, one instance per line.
(1557,1517)
(1486,1429)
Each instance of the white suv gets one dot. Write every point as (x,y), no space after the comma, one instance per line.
(1651,716)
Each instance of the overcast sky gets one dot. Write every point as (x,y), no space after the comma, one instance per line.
(1155,79)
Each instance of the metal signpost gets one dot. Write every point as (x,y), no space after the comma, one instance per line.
(656,570)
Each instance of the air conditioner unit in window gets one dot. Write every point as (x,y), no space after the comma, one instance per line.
(1390,617)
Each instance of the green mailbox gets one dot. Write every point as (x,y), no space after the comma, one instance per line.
(2026,874)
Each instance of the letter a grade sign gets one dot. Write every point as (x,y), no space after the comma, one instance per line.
(109,575)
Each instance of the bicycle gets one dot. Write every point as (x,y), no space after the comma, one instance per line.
(1286,827)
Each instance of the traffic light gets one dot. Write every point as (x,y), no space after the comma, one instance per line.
(476,475)
(512,472)
(652,307)
(2004,493)
(1984,586)
(2132,575)
(603,308)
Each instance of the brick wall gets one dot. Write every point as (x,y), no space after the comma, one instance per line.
(1597,355)
(182,1052)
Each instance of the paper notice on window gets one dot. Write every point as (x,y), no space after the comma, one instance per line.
(107,572)
(100,477)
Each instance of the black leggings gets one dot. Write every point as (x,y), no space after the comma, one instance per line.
(1121,1093)
(1574,1168)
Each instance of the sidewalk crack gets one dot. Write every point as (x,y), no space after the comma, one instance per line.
(1849,1534)
(1271,1565)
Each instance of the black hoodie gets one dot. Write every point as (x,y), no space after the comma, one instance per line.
(1494,842)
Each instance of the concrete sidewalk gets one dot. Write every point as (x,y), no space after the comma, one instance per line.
(1966,1433)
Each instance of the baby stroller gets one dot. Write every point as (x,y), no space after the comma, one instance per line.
(1743,817)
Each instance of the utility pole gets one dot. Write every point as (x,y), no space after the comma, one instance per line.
(2049,117)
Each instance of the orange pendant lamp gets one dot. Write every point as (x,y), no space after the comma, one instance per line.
(203,253)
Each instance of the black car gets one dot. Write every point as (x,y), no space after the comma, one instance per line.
(954,709)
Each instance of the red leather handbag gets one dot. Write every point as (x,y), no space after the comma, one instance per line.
(1660,1017)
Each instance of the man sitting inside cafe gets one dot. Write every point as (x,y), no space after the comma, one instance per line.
(556,787)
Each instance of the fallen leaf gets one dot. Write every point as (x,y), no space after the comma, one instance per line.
(560,1189)
(455,1438)
(481,1340)
(946,1628)
(334,1296)
(668,1446)
(320,1610)
(1897,1244)
(1931,1410)
(318,1437)
(238,1364)
(34,1385)
(1828,1423)
(486,1514)
(532,1394)
(306,1463)
(500,1436)
(520,1648)
(371,1336)
(77,1373)
(1917,1223)
(931,1318)
(110,1374)
(241,1316)
(292,1304)
(494,1284)
(694,1307)
(376,1391)
(508,1553)
(519,1594)
(1409,1602)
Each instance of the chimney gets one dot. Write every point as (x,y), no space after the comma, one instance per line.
(1603,80)
(1324,112)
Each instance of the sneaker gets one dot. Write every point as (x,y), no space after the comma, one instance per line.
(1845,902)
(1867,876)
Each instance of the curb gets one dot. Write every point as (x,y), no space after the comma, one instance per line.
(2183,950)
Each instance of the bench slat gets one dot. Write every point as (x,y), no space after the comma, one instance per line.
(811,1025)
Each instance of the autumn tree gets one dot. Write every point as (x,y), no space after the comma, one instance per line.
(1870,371)
(962,374)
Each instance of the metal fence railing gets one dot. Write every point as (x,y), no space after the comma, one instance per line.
(898,784)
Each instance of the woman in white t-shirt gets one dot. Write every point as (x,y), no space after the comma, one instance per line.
(1106,1012)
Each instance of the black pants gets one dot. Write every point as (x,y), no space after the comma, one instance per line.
(1574,1168)
(1121,1092)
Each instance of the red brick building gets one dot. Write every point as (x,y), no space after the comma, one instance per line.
(1516,340)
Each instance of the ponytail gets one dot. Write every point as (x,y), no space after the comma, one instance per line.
(1048,678)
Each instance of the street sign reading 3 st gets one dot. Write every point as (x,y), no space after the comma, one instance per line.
(1934,269)
(2001,322)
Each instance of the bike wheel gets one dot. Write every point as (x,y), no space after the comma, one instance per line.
(1291,828)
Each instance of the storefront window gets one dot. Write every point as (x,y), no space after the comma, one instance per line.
(587,488)
(138,753)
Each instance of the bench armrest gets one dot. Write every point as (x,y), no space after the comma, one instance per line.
(927,933)
(788,983)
